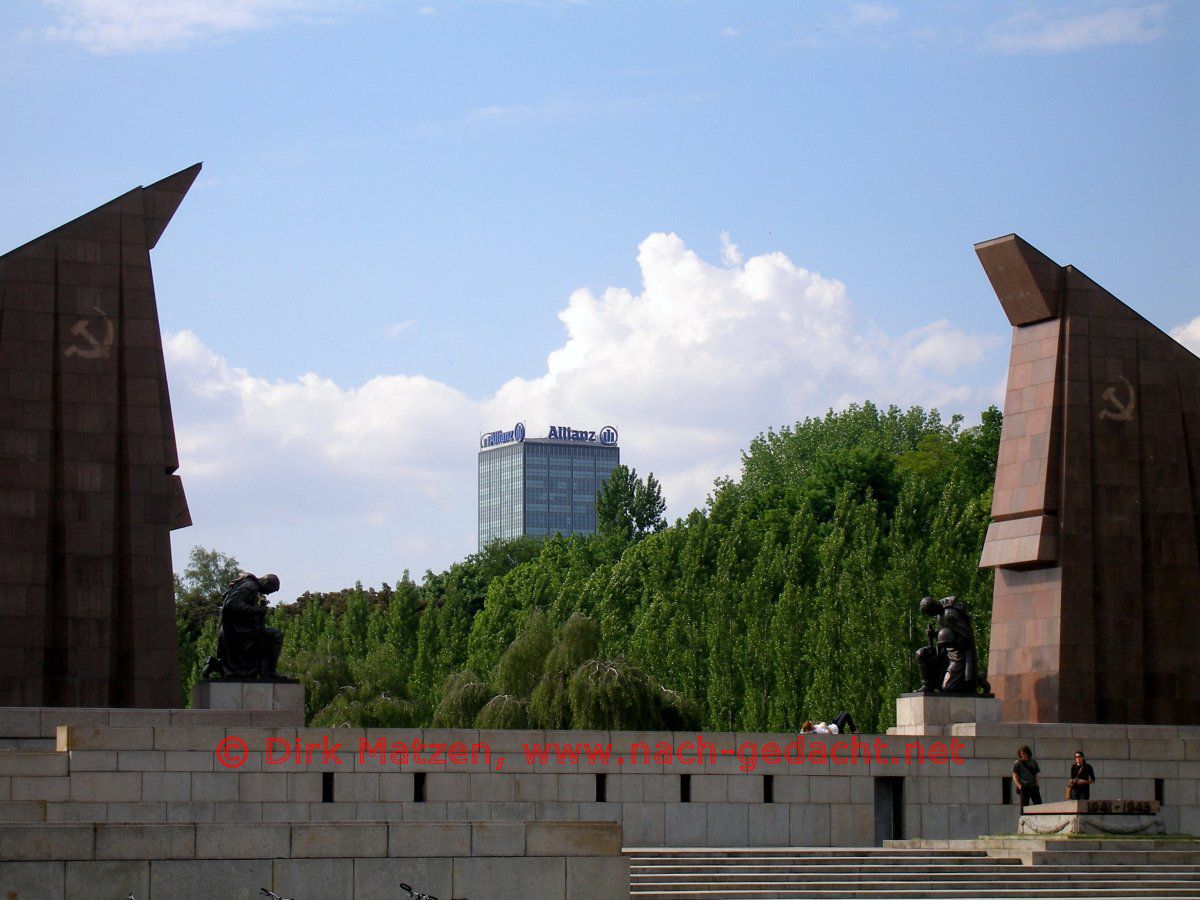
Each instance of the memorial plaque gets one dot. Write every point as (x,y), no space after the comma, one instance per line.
(88,494)
(1096,505)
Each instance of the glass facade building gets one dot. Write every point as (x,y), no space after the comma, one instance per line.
(541,486)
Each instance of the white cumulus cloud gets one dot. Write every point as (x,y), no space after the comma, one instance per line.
(1188,334)
(689,368)
(124,26)
(873,13)
(1037,31)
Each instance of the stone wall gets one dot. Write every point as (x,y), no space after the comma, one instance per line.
(496,860)
(171,774)
(37,726)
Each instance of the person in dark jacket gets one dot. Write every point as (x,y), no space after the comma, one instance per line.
(246,646)
(1082,778)
(1024,775)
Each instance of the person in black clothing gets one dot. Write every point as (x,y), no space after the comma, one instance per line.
(1082,778)
(845,724)
(1024,775)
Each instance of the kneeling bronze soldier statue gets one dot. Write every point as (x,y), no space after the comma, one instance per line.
(949,664)
(246,647)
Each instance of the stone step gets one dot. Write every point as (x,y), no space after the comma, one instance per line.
(887,892)
(802,852)
(991,871)
(1117,857)
(1042,843)
(828,870)
(835,867)
(820,855)
(890,889)
(831,866)
(898,877)
(891,873)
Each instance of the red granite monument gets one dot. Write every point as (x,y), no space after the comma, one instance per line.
(1096,532)
(88,494)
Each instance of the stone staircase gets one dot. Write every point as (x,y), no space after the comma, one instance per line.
(1085,869)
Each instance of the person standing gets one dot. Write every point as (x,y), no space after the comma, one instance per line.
(1025,777)
(1082,778)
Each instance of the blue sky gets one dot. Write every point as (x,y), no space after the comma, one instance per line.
(695,221)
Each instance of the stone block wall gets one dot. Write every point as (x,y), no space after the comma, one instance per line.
(249,695)
(37,727)
(316,861)
(163,774)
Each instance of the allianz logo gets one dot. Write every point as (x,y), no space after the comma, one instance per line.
(606,436)
(503,437)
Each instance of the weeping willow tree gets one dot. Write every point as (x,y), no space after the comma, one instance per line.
(550,678)
(578,641)
(504,711)
(465,695)
(522,665)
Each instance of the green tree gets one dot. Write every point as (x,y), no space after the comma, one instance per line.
(629,508)
(198,591)
(578,640)
(504,711)
(465,695)
(615,695)
(325,673)
(521,666)
(197,607)
(791,595)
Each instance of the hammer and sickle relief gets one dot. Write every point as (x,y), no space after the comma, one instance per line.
(1123,411)
(97,349)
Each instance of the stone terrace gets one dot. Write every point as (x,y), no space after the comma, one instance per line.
(165,770)
(497,860)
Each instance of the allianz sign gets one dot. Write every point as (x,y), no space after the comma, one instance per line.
(503,437)
(606,436)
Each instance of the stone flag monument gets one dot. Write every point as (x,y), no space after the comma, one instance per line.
(1095,541)
(88,494)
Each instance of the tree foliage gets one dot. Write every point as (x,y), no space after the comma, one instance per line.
(198,591)
(197,606)
(792,595)
(629,508)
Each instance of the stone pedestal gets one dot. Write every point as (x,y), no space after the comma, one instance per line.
(255,695)
(1093,817)
(920,713)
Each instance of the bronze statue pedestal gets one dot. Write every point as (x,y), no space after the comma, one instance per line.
(929,713)
(262,695)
